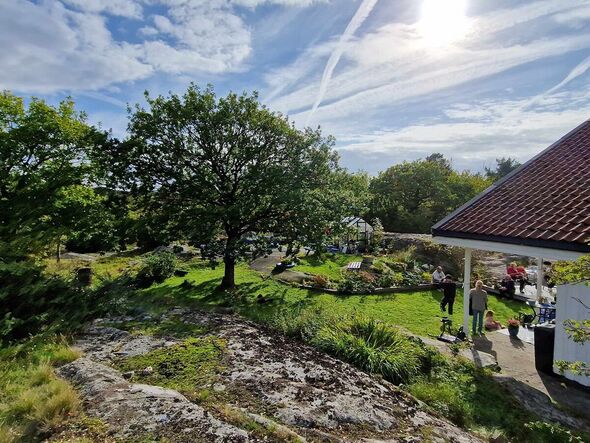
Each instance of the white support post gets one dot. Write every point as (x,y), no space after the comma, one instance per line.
(466,290)
(540,278)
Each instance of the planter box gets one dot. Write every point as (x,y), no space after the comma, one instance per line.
(377,291)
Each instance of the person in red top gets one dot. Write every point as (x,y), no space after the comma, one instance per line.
(518,273)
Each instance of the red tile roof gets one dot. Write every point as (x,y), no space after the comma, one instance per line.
(545,202)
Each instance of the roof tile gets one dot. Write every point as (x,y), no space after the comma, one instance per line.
(549,198)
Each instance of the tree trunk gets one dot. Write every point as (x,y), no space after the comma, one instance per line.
(58,250)
(229,259)
(228,281)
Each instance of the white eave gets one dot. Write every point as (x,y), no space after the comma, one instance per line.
(509,248)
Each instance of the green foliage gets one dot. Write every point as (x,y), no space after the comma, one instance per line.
(329,265)
(156,268)
(504,166)
(413,196)
(373,347)
(443,397)
(354,282)
(186,367)
(577,271)
(43,165)
(218,167)
(34,302)
(543,432)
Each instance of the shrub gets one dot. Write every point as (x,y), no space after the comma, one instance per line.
(390,279)
(356,282)
(320,281)
(299,323)
(373,347)
(156,268)
(33,302)
(543,432)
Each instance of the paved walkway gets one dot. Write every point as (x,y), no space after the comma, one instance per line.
(536,391)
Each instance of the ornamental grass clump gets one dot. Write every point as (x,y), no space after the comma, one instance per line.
(373,347)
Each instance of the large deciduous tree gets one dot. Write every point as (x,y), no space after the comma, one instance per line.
(43,168)
(412,196)
(220,167)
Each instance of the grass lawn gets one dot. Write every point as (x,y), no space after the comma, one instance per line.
(102,268)
(329,266)
(418,312)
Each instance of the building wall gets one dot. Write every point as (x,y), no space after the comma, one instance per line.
(570,305)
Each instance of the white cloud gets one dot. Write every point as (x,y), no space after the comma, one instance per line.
(255,3)
(68,45)
(123,8)
(394,64)
(52,48)
(475,134)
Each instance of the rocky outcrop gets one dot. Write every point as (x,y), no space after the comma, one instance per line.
(274,380)
(136,409)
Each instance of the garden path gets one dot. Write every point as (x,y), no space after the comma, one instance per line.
(533,389)
(266,265)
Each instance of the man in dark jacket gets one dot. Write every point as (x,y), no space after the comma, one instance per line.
(449,288)
(507,287)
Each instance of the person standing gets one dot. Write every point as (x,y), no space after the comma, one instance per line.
(449,288)
(479,301)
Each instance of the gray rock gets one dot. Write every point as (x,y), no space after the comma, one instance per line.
(134,409)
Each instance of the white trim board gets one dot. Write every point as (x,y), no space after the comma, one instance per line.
(509,248)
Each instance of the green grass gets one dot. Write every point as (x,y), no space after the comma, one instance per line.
(171,327)
(328,265)
(187,367)
(102,268)
(418,312)
(32,399)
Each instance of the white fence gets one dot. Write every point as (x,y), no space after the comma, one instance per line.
(573,302)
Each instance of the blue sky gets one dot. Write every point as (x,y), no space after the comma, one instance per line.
(391,80)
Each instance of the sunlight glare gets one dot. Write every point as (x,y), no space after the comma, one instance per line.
(442,22)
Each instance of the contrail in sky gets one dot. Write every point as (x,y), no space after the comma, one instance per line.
(579,70)
(357,20)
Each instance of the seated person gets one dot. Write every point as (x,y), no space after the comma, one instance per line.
(507,287)
(438,276)
(512,271)
(524,277)
(491,324)
(518,273)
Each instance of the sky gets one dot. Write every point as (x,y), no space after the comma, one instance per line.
(391,80)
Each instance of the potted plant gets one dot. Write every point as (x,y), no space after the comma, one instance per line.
(513,327)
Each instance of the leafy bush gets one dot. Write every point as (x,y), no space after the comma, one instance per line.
(320,281)
(543,432)
(299,323)
(32,302)
(373,347)
(357,282)
(390,279)
(156,268)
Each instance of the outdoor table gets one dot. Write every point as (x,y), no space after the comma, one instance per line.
(546,313)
